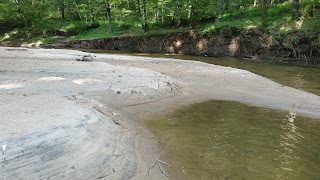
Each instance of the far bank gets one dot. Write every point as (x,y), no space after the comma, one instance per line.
(251,44)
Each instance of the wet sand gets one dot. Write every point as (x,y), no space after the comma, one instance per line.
(63,118)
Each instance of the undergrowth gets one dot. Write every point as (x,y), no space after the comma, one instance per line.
(280,26)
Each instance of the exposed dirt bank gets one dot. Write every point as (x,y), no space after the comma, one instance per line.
(252,44)
(66,119)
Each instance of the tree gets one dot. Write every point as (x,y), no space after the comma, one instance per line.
(62,9)
(131,13)
(295,9)
(91,11)
(139,10)
(176,20)
(263,13)
(108,10)
(255,3)
(23,7)
(145,24)
(217,13)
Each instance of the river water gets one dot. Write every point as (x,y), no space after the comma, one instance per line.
(231,140)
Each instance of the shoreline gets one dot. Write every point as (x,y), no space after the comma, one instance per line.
(113,93)
(253,44)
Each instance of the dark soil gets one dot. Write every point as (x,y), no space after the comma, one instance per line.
(252,44)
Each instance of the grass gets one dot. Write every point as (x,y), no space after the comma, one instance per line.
(278,19)
(118,28)
(279,24)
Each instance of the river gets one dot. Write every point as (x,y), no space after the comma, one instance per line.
(232,140)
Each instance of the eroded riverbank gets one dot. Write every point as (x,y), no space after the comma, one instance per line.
(229,42)
(97,106)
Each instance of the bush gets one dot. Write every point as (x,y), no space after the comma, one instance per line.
(93,25)
(290,42)
(76,28)
(125,26)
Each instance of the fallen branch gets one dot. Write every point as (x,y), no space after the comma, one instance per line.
(163,162)
(163,172)
(158,161)
(154,163)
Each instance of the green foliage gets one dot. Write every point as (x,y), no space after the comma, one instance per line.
(8,16)
(88,21)
(157,32)
(309,6)
(93,25)
(290,42)
(275,40)
(311,24)
(316,44)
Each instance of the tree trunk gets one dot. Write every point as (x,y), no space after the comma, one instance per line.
(263,13)
(176,21)
(189,9)
(243,6)
(255,3)
(162,6)
(139,10)
(38,8)
(108,9)
(85,15)
(23,13)
(272,2)
(145,26)
(91,11)
(79,13)
(295,9)
(157,11)
(62,9)
(218,3)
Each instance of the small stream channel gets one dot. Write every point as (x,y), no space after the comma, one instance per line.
(231,140)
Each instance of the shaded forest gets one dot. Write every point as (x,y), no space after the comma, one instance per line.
(285,21)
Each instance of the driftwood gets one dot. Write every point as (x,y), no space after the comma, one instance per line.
(158,161)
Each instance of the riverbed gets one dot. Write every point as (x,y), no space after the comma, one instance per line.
(304,76)
(62,118)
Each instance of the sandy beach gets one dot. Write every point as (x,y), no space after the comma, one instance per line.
(68,119)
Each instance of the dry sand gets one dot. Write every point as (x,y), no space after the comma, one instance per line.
(65,119)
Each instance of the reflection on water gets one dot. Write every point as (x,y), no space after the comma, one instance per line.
(230,140)
(288,140)
(298,80)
